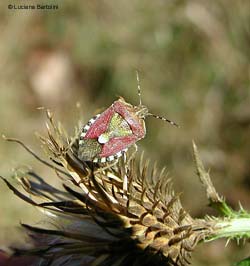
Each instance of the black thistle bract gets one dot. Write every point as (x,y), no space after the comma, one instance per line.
(126,214)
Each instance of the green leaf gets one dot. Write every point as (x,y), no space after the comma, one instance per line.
(245,262)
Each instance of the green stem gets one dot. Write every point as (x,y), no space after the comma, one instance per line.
(231,228)
(223,208)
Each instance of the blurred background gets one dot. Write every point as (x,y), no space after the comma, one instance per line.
(193,58)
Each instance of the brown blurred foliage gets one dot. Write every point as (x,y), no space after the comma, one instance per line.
(194,63)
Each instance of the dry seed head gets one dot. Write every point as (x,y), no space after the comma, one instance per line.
(101,223)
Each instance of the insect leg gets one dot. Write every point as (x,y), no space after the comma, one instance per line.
(132,155)
(125,178)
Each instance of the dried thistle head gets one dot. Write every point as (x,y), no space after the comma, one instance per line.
(125,214)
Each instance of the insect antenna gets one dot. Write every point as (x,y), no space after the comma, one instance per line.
(140,104)
(138,87)
(164,119)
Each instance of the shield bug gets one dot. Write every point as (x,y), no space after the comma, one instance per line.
(108,135)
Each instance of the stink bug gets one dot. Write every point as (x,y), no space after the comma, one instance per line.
(108,135)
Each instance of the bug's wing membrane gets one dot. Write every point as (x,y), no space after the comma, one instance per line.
(100,125)
(117,144)
(89,149)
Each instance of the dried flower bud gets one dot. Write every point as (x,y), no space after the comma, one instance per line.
(125,214)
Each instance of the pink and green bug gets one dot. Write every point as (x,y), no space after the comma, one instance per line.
(107,136)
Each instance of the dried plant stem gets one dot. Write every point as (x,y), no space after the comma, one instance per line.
(215,200)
